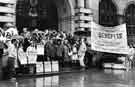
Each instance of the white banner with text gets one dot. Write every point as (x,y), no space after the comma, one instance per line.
(109,39)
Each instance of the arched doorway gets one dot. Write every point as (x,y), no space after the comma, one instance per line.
(107,13)
(51,14)
(130,21)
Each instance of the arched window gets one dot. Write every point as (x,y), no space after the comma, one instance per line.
(107,13)
(130,19)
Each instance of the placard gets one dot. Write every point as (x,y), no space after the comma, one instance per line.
(47,66)
(55,66)
(40,49)
(32,55)
(39,67)
(22,56)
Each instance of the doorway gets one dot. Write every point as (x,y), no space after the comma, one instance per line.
(49,14)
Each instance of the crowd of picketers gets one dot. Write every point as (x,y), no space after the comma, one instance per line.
(61,46)
(58,46)
(66,48)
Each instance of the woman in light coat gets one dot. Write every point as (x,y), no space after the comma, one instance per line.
(81,53)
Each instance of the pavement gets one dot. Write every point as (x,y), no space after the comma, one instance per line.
(89,78)
(61,71)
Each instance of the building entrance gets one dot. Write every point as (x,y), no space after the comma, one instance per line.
(44,14)
(41,14)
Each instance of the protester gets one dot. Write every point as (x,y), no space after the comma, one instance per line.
(11,29)
(12,58)
(4,62)
(59,52)
(74,55)
(129,58)
(58,46)
(81,52)
(50,51)
(1,48)
(25,33)
(66,51)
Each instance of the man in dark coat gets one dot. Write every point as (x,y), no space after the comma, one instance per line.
(1,54)
(66,51)
(50,51)
(1,48)
(60,52)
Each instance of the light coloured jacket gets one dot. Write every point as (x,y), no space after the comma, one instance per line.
(82,49)
(12,51)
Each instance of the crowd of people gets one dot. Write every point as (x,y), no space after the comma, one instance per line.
(58,46)
(66,48)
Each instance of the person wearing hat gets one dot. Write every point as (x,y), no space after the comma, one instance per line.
(25,32)
(60,52)
(50,50)
(129,58)
(4,61)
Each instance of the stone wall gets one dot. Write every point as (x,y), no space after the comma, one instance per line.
(7,11)
(121,6)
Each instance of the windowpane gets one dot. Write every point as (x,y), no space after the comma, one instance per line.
(107,13)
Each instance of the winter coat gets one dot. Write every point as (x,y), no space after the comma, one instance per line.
(82,49)
(66,51)
(59,50)
(50,50)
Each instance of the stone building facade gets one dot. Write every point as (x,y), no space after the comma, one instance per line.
(70,15)
(115,12)
(7,11)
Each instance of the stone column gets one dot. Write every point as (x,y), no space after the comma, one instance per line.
(80,3)
(87,4)
(12,14)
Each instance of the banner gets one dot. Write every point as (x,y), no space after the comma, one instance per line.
(109,39)
(8,34)
(11,32)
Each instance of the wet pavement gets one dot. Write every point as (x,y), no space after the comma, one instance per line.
(89,78)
